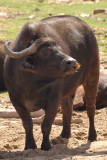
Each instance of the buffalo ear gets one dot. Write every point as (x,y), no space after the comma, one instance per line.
(2,51)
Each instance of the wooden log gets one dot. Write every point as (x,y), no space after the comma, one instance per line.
(10,113)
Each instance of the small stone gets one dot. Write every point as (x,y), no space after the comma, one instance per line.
(97,11)
(61,14)
(32,17)
(50,14)
(84,15)
(37,9)
(41,1)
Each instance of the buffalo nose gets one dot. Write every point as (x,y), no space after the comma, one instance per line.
(71,63)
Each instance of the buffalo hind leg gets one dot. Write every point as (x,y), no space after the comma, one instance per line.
(67,107)
(27,124)
(90,95)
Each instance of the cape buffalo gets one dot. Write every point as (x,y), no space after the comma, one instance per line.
(101,99)
(46,63)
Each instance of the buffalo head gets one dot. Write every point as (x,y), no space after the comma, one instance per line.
(45,57)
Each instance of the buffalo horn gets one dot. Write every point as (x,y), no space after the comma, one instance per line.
(20,54)
(30,50)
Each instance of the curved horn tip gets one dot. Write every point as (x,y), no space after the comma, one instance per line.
(13,54)
(7,43)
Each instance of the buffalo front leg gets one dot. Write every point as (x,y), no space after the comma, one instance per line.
(50,114)
(90,95)
(27,124)
(67,114)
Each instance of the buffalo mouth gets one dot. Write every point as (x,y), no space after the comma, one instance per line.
(28,65)
(71,69)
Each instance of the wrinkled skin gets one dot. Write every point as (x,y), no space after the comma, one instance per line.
(50,75)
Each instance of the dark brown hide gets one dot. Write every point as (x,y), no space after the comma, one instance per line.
(47,72)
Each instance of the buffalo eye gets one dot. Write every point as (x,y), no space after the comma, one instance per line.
(45,53)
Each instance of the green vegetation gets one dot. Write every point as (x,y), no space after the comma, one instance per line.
(15,13)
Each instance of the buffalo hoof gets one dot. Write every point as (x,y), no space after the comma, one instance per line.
(65,134)
(92,136)
(30,142)
(30,146)
(45,146)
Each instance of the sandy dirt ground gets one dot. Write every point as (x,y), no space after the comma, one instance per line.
(12,139)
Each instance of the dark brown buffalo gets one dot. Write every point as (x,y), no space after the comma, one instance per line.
(42,70)
(2,58)
(101,99)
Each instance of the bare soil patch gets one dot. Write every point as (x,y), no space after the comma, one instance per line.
(70,2)
(6,13)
